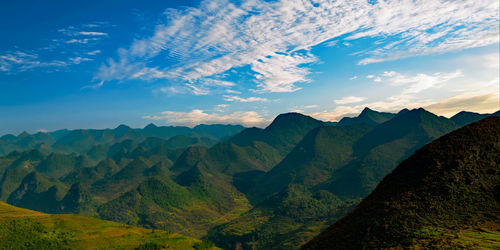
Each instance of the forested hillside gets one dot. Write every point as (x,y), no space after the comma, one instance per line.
(275,187)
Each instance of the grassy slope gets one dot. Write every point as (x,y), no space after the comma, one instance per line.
(446,194)
(89,233)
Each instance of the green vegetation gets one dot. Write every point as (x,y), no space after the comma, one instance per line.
(445,195)
(31,234)
(26,229)
(98,140)
(272,188)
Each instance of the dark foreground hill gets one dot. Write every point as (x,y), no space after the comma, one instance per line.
(447,194)
(26,229)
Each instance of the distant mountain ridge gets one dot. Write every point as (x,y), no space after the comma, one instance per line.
(82,140)
(275,187)
(367,116)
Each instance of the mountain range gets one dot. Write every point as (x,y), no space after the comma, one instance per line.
(243,188)
(446,195)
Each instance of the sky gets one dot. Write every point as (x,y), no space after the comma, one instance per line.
(98,64)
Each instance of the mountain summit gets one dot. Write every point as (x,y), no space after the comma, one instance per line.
(367,116)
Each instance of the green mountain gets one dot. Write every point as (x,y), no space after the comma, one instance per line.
(321,152)
(272,188)
(290,208)
(57,165)
(182,141)
(78,200)
(378,152)
(195,203)
(16,168)
(368,117)
(463,118)
(444,195)
(97,141)
(129,177)
(283,133)
(329,170)
(89,175)
(218,131)
(39,193)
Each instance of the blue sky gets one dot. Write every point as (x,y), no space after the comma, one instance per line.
(98,64)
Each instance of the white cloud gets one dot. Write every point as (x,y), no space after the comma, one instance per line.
(214,82)
(331,43)
(337,113)
(72,31)
(19,61)
(233,98)
(92,33)
(481,103)
(419,82)
(94,86)
(81,41)
(196,116)
(353,78)
(78,60)
(349,99)
(171,90)
(198,90)
(274,37)
(221,108)
(486,61)
(93,53)
(459,94)
(54,56)
(230,91)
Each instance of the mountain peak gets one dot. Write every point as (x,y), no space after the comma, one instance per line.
(367,116)
(291,118)
(403,111)
(150,126)
(421,112)
(24,134)
(367,110)
(122,127)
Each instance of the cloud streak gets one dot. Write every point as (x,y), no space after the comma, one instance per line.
(197,116)
(233,98)
(349,99)
(274,38)
(19,60)
(417,83)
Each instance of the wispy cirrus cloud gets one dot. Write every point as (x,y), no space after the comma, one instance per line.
(93,52)
(55,56)
(197,116)
(91,33)
(234,98)
(417,83)
(349,99)
(20,61)
(274,38)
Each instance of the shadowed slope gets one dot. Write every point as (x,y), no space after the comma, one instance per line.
(368,117)
(448,186)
